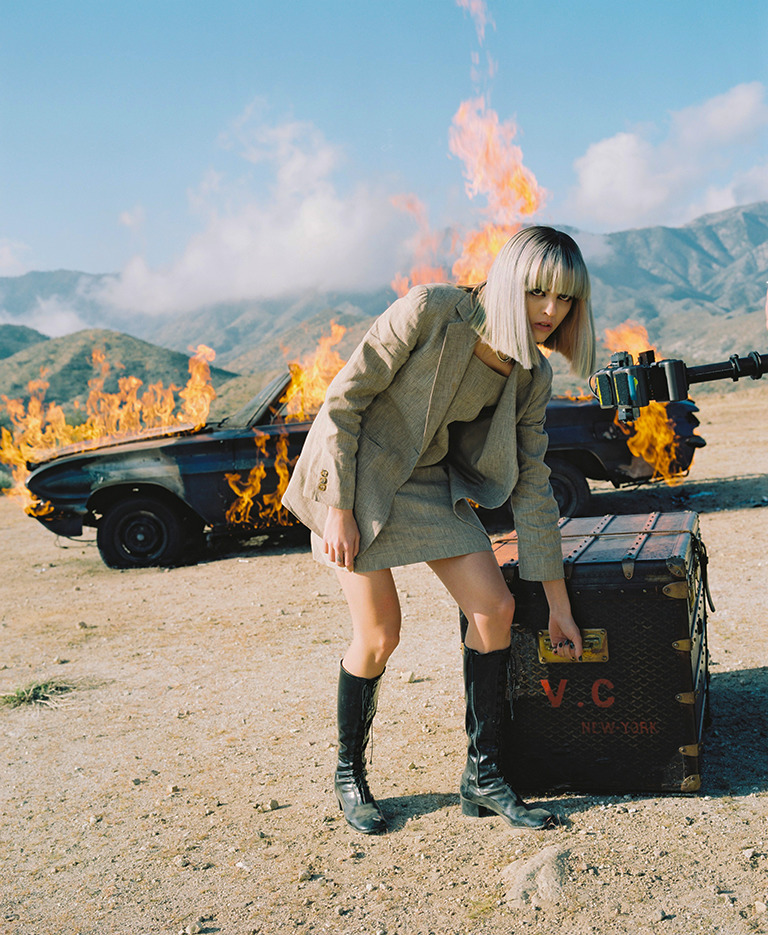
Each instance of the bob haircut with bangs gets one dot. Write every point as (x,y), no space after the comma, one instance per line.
(536,258)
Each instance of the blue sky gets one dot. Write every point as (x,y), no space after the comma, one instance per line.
(209,151)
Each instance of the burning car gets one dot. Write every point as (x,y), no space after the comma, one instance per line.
(152,499)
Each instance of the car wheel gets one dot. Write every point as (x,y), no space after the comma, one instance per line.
(140,532)
(569,486)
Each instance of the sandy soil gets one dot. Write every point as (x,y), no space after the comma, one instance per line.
(185,784)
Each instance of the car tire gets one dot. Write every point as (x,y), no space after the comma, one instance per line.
(569,486)
(139,533)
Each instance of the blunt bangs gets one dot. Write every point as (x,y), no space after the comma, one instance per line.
(558,270)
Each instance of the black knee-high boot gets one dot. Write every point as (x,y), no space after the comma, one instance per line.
(357,700)
(484,791)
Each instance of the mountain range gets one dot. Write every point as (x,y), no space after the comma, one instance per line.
(699,289)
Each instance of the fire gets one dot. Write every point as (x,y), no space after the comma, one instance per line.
(629,336)
(578,396)
(246,490)
(493,165)
(40,428)
(425,246)
(198,394)
(310,379)
(301,400)
(493,169)
(652,436)
(478,10)
(479,249)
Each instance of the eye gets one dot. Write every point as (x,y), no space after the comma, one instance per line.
(536,292)
(565,298)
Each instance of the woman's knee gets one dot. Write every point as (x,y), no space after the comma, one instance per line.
(376,643)
(388,643)
(497,613)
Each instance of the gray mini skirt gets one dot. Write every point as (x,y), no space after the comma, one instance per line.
(422,526)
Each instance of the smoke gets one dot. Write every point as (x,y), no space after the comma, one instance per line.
(635,178)
(478,10)
(311,231)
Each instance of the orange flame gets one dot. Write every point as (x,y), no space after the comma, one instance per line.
(247,489)
(577,396)
(629,336)
(425,246)
(309,380)
(39,429)
(478,252)
(198,394)
(651,436)
(493,165)
(302,399)
(493,169)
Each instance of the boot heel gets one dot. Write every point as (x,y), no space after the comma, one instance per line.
(474,811)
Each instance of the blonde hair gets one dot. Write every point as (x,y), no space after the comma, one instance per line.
(536,258)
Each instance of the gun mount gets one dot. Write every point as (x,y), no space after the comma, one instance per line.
(628,386)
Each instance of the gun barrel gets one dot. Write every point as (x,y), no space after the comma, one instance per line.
(754,365)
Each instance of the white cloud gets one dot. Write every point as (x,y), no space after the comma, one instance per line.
(729,118)
(306,233)
(54,317)
(744,188)
(134,218)
(594,247)
(11,262)
(630,179)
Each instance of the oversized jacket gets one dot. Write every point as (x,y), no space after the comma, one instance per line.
(385,405)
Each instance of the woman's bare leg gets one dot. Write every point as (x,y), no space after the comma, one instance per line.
(477,585)
(375,610)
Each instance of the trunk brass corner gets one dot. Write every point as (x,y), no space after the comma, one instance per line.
(683,646)
(676,589)
(691,783)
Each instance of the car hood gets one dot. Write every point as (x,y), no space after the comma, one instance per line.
(42,456)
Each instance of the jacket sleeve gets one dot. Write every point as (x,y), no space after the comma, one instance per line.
(533,503)
(331,474)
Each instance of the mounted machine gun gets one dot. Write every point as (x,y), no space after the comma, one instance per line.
(628,386)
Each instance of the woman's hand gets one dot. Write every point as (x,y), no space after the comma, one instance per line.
(564,635)
(341,538)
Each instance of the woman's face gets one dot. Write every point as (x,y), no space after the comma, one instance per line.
(546,310)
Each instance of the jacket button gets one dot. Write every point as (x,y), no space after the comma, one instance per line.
(322,485)
(323,473)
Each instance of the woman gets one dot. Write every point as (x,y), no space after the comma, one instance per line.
(443,402)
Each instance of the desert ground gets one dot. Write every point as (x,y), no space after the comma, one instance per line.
(184,783)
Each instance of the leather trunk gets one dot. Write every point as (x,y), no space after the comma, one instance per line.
(630,716)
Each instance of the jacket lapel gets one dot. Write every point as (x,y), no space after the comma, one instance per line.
(494,460)
(458,346)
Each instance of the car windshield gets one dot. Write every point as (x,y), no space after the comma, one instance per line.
(256,410)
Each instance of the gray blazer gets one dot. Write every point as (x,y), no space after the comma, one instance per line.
(383,408)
